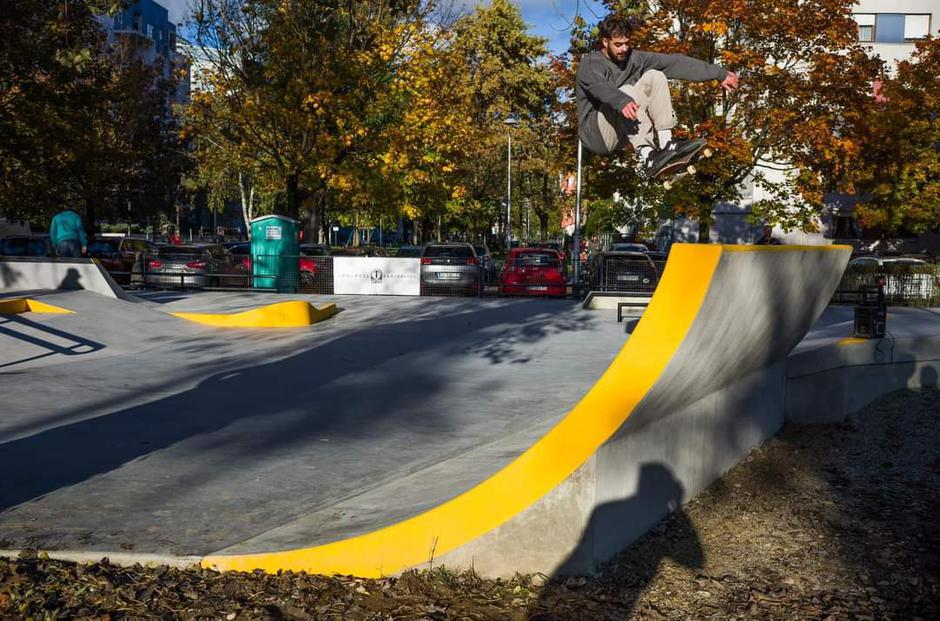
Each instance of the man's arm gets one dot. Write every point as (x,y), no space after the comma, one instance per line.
(592,81)
(679,67)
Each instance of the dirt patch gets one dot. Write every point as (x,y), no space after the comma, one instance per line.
(837,521)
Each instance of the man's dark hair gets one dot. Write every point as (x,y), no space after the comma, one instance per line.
(616,25)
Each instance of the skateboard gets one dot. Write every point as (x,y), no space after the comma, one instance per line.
(682,167)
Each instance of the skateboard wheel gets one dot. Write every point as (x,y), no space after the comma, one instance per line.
(707,152)
(667,185)
(691,169)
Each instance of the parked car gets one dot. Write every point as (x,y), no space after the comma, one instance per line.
(533,271)
(26,246)
(631,272)
(450,268)
(486,261)
(904,277)
(119,255)
(628,247)
(190,266)
(409,252)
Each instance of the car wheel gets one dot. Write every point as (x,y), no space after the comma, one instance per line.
(307,280)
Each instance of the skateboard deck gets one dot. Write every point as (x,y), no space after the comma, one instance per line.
(682,167)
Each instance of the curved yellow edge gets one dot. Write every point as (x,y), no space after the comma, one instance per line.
(547,463)
(293,314)
(539,469)
(16,306)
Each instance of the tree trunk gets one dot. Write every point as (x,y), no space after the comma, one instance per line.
(704,230)
(313,223)
(293,196)
(356,241)
(248,203)
(543,225)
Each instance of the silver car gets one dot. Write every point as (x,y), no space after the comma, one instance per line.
(450,269)
(189,266)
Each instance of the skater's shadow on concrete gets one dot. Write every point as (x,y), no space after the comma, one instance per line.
(612,527)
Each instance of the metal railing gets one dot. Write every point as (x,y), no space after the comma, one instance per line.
(903,285)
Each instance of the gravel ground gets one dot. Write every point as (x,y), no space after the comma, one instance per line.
(824,522)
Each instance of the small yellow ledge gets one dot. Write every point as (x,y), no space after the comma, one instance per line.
(294,314)
(16,306)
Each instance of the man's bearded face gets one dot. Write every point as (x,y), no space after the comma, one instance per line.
(616,48)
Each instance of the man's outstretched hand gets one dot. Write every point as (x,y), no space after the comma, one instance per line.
(730,82)
(630,110)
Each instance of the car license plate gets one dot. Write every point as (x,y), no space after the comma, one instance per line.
(628,278)
(448,275)
(540,288)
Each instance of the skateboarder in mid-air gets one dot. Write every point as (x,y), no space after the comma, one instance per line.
(623,96)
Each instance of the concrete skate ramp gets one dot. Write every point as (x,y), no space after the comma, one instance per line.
(721,317)
(53,274)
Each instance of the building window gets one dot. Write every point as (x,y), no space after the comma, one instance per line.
(150,30)
(866,27)
(916,27)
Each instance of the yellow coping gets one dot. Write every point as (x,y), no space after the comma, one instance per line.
(542,467)
(293,314)
(15,306)
(539,469)
(851,341)
(784,248)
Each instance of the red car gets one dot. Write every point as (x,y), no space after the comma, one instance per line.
(533,271)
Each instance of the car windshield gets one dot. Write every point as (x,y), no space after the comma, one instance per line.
(241,249)
(456,252)
(536,259)
(102,246)
(313,251)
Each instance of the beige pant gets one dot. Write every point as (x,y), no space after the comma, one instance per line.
(651,92)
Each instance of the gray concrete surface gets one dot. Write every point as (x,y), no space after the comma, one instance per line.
(827,380)
(19,274)
(126,429)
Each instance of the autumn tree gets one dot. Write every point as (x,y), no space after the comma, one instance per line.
(898,177)
(80,125)
(804,81)
(505,76)
(299,90)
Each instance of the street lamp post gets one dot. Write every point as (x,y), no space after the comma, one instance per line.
(576,241)
(510,123)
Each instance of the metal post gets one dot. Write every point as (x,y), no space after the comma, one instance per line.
(509,193)
(576,241)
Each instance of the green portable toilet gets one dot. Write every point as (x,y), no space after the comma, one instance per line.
(275,253)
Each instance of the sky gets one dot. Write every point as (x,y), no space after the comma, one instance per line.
(547,18)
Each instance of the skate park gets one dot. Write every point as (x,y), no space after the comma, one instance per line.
(503,435)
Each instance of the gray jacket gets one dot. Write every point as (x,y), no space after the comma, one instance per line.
(599,81)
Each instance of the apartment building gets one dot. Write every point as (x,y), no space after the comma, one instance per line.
(890,28)
(143,31)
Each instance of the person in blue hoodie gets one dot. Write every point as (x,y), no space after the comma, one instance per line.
(623,96)
(67,234)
